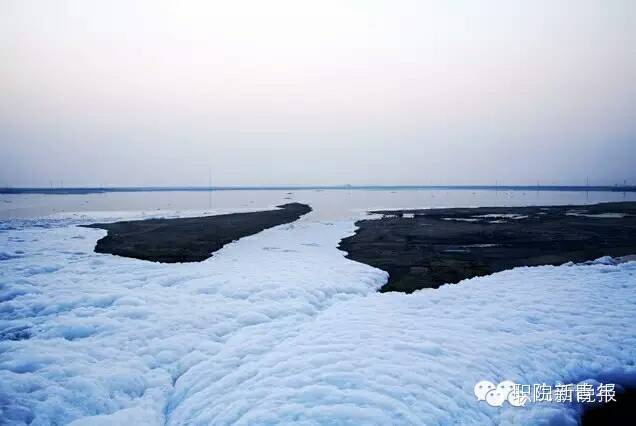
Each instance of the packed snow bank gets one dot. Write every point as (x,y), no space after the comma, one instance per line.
(90,334)
(279,327)
(394,358)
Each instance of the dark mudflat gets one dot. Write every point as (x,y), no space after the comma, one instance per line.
(188,239)
(621,412)
(442,246)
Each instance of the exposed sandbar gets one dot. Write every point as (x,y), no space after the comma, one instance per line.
(190,239)
(428,248)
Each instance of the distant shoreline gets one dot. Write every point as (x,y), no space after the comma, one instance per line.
(100,190)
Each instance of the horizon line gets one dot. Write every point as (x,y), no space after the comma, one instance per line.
(202,188)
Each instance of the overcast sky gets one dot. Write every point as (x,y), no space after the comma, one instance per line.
(317,92)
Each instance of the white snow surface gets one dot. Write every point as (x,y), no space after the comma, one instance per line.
(280,327)
(502,216)
(598,215)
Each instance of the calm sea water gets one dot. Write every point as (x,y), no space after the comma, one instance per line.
(327,204)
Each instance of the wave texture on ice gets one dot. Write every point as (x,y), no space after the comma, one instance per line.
(279,327)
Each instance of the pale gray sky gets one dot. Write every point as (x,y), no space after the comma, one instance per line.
(317,92)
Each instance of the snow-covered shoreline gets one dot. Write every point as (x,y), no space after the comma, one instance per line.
(279,327)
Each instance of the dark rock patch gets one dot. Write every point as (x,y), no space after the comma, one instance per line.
(619,412)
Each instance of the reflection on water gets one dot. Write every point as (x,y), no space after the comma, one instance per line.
(327,204)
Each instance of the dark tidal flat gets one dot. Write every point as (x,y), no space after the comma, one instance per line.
(188,239)
(621,412)
(427,248)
